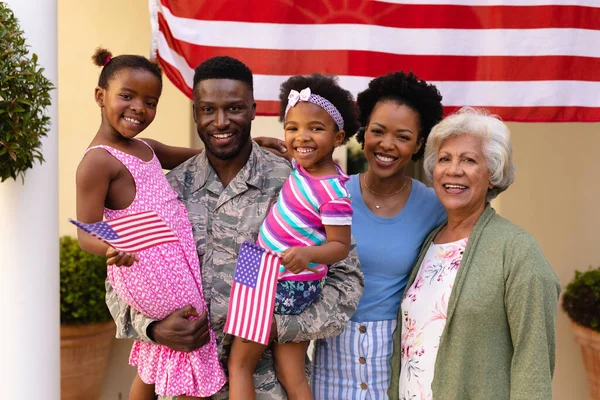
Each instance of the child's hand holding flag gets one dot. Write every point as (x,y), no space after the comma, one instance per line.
(120,259)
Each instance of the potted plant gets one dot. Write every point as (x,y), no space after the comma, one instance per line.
(24,97)
(86,329)
(581,301)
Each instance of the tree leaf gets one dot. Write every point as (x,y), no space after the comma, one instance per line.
(23,119)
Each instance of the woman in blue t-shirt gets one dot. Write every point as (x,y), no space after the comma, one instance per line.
(392,216)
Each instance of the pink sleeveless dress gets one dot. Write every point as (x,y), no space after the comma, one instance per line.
(166,278)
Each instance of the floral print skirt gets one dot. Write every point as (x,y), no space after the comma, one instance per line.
(294,296)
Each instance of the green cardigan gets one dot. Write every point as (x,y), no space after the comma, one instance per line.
(499,338)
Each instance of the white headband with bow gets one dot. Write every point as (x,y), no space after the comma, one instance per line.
(305,95)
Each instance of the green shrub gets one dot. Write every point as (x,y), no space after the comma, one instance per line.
(581,299)
(356,161)
(24,96)
(82,290)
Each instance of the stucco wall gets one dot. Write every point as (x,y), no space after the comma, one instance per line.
(555,197)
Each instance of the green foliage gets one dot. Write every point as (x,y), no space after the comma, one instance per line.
(581,299)
(356,161)
(24,97)
(82,291)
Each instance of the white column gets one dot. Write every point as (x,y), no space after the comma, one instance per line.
(29,281)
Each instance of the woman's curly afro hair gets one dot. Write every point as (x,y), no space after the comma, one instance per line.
(325,86)
(404,89)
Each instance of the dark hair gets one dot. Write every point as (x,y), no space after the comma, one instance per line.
(404,89)
(112,65)
(325,86)
(223,67)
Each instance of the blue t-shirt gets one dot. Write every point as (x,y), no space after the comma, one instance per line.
(388,247)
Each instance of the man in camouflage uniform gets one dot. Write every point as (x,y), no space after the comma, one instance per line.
(228,190)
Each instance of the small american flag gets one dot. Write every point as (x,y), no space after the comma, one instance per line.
(132,233)
(252,296)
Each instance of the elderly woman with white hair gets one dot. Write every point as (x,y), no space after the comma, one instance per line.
(477,318)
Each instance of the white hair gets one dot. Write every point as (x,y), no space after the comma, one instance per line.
(495,136)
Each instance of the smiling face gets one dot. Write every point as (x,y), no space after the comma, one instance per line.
(223,111)
(461,177)
(391,138)
(312,135)
(129,102)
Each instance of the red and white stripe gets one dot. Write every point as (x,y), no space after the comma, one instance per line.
(250,311)
(140,231)
(527,60)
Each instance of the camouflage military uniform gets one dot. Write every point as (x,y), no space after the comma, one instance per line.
(222,218)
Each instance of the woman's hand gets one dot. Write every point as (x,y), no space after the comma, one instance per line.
(275,146)
(120,259)
(296,259)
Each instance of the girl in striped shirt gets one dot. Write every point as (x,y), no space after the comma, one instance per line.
(309,224)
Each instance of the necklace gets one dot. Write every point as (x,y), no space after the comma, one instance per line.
(382,194)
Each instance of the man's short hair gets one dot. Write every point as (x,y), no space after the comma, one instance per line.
(223,67)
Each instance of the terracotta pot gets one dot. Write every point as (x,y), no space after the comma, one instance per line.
(84,351)
(589,340)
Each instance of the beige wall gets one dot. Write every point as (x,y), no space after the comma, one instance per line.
(554,197)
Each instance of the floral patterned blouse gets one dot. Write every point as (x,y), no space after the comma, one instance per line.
(424,317)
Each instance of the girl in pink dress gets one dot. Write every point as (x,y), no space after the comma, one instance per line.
(121,175)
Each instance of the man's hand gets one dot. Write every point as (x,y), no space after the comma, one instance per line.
(120,259)
(275,146)
(296,259)
(179,332)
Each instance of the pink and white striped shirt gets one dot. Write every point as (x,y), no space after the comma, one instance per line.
(305,205)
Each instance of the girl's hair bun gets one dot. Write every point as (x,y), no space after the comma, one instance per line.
(113,65)
(156,64)
(100,56)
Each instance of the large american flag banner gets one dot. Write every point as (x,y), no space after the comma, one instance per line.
(131,233)
(526,60)
(252,297)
